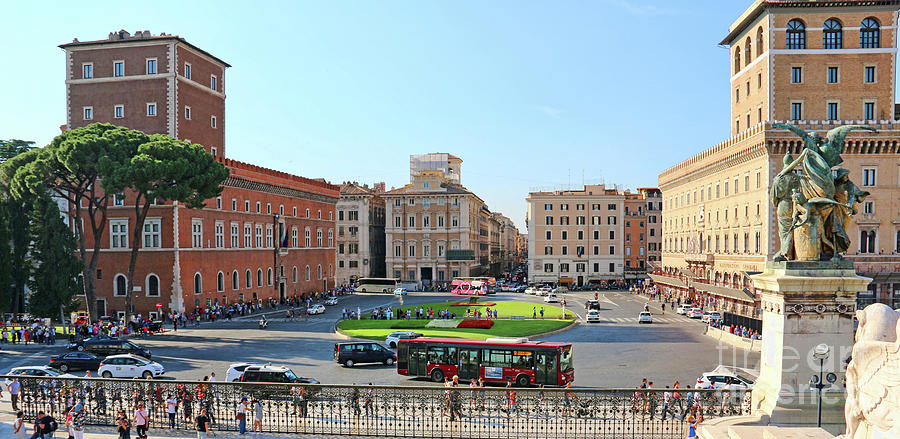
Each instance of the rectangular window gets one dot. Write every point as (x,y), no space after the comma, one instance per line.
(197,233)
(548,268)
(187,112)
(294,239)
(868,177)
(454,222)
(118,68)
(833,75)
(868,111)
(412,251)
(248,236)
(212,82)
(612,249)
(220,234)
(119,111)
(612,267)
(796,75)
(87,71)
(833,111)
(234,235)
(88,113)
(870,74)
(187,70)
(259,236)
(151,66)
(796,111)
(151,108)
(212,121)
(269,241)
(151,233)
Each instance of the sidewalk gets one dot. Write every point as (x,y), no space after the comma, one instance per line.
(95,432)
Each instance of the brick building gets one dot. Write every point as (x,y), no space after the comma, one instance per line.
(269,236)
(817,65)
(643,231)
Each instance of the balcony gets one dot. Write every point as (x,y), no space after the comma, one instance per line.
(460,255)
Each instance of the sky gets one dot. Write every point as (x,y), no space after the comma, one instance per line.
(532,95)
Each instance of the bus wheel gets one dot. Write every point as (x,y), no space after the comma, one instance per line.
(523,381)
(437,375)
(363,290)
(385,291)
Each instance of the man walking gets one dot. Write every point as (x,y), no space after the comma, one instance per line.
(202,424)
(14,388)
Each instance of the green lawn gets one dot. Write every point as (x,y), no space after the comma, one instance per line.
(379,329)
(504,308)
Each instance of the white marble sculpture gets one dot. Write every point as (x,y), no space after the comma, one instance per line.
(872,409)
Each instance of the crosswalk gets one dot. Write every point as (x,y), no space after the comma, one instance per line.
(656,319)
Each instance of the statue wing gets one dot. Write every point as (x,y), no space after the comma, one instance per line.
(877,364)
(792,128)
(836,135)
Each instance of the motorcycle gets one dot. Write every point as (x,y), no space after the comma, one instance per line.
(263,323)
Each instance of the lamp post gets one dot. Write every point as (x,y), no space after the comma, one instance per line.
(820,352)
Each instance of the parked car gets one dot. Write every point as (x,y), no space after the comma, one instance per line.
(236,371)
(551,298)
(531,290)
(710,316)
(727,377)
(683,309)
(400,292)
(694,313)
(645,317)
(331,301)
(561,290)
(592,316)
(75,361)
(105,348)
(543,291)
(129,366)
(392,338)
(316,309)
(352,353)
(521,289)
(39,371)
(73,346)
(266,373)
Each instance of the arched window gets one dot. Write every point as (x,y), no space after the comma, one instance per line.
(307,272)
(319,272)
(248,281)
(259,277)
(269,276)
(152,285)
(235,283)
(220,281)
(759,41)
(737,59)
(748,51)
(198,283)
(294,274)
(832,36)
(121,285)
(796,34)
(869,34)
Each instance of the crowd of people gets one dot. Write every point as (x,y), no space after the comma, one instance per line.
(37,333)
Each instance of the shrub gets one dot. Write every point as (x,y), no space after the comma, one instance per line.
(481,324)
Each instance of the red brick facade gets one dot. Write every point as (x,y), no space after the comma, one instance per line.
(249,244)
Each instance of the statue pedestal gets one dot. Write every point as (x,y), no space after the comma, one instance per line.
(804,303)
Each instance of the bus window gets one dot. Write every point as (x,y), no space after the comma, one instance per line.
(498,358)
(451,356)
(565,359)
(436,355)
(523,360)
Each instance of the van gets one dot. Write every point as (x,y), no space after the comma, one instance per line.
(352,353)
(273,374)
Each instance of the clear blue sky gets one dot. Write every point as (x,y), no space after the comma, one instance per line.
(527,93)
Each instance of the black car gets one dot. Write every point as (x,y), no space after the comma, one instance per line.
(104,348)
(79,344)
(352,353)
(76,361)
(592,304)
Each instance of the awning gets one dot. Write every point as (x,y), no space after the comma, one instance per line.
(687,273)
(733,293)
(635,275)
(566,280)
(666,280)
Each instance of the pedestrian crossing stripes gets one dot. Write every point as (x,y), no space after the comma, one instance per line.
(635,320)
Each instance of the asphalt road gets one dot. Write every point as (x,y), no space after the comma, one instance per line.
(616,352)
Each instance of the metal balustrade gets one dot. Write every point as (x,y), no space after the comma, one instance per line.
(392,411)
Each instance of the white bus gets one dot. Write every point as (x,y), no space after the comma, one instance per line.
(376,285)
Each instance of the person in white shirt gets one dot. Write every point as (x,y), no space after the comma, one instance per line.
(171,409)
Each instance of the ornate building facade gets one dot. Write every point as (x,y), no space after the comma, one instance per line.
(360,232)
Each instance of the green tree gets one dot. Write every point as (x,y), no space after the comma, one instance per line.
(13,147)
(55,264)
(74,166)
(14,269)
(165,169)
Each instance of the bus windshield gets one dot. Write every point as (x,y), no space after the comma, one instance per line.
(566,362)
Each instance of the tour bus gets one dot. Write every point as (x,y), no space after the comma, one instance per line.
(376,285)
(469,287)
(494,360)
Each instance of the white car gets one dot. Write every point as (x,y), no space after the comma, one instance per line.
(694,313)
(236,371)
(726,377)
(710,316)
(39,371)
(394,337)
(129,366)
(645,317)
(592,316)
(543,291)
(683,309)
(316,309)
(400,292)
(331,301)
(551,298)
(531,290)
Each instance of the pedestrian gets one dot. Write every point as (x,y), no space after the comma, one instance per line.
(75,421)
(369,402)
(667,403)
(242,416)
(202,422)
(258,417)
(14,388)
(354,400)
(123,425)
(542,312)
(568,396)
(19,425)
(692,426)
(171,410)
(533,312)
(44,426)
(141,421)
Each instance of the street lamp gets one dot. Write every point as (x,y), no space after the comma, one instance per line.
(820,352)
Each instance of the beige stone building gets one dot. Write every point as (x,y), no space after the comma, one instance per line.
(503,235)
(577,237)
(437,229)
(360,233)
(817,65)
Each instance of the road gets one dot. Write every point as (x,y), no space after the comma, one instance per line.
(617,352)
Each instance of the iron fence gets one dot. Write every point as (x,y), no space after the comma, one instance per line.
(394,411)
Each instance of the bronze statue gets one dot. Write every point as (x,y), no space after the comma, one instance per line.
(814,205)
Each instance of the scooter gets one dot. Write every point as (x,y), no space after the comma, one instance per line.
(263,323)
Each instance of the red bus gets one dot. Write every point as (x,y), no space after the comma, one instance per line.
(494,360)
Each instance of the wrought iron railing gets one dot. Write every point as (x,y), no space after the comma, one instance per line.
(394,411)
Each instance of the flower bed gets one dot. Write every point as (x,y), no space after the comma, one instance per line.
(473,304)
(442,323)
(482,324)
